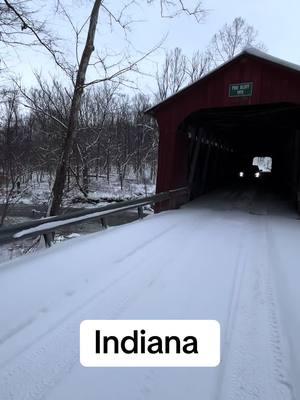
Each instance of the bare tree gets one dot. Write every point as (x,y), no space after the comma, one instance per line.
(145,141)
(61,172)
(13,157)
(94,112)
(80,84)
(79,73)
(172,75)
(179,70)
(232,39)
(20,26)
(198,65)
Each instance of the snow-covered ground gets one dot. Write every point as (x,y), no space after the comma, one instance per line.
(37,191)
(229,257)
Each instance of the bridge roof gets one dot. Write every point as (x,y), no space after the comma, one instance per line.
(250,51)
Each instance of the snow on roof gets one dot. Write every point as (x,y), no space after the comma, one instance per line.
(248,50)
(261,54)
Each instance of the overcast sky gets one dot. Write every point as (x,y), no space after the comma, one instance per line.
(276,21)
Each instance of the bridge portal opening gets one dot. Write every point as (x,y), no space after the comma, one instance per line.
(263,163)
(259,141)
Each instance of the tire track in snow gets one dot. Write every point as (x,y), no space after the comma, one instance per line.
(35,318)
(233,306)
(37,372)
(282,362)
(41,365)
(23,324)
(255,366)
(153,377)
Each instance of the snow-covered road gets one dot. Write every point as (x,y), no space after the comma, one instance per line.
(229,257)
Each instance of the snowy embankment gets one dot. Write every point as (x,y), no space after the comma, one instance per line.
(101,192)
(213,259)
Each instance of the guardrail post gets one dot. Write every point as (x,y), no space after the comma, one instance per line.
(104,223)
(48,238)
(140,212)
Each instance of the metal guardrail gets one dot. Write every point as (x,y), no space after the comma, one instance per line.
(49,225)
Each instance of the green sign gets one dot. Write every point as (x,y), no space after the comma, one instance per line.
(241,89)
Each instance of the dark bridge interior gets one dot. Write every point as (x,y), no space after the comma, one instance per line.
(224,141)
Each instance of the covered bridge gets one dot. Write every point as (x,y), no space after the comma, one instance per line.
(246,108)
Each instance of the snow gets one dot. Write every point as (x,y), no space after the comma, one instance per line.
(261,54)
(229,257)
(73,235)
(37,191)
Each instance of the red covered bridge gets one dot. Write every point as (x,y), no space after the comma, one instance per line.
(248,107)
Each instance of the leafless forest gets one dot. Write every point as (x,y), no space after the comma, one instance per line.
(72,130)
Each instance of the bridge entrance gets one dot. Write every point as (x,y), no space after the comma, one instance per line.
(224,143)
(210,132)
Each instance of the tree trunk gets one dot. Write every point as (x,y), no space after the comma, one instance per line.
(85,177)
(108,166)
(61,172)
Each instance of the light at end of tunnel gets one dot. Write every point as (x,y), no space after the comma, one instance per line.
(241,174)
